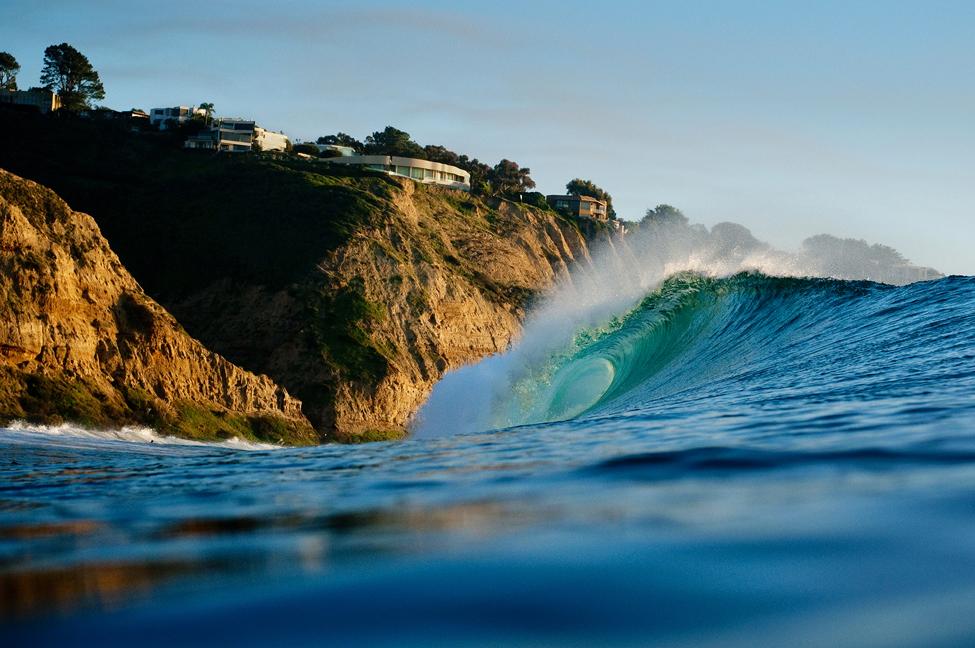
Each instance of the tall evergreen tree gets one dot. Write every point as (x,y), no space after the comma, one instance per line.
(9,67)
(69,73)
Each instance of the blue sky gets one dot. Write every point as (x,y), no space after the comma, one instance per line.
(792,118)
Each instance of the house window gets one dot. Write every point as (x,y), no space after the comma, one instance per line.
(403,170)
(416,173)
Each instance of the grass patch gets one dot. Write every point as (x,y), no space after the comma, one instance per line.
(339,323)
(52,401)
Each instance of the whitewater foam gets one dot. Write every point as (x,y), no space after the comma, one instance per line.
(130,436)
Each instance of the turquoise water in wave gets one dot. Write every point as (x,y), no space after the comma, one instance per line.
(736,462)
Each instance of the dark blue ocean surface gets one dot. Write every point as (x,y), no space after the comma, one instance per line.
(746,461)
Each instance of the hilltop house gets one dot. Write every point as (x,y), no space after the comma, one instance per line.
(136,119)
(583,206)
(163,118)
(42,99)
(343,151)
(237,136)
(424,171)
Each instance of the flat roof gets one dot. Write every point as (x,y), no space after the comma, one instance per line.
(394,160)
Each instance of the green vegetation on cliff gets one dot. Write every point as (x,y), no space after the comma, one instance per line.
(354,290)
(178,218)
(46,400)
(80,341)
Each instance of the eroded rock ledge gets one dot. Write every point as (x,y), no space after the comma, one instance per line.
(81,341)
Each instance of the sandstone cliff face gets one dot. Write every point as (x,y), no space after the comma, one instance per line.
(80,340)
(440,280)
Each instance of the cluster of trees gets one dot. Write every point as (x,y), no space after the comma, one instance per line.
(66,71)
(506,178)
(666,234)
(854,258)
(664,215)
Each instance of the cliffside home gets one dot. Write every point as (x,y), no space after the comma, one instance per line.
(424,171)
(137,119)
(162,118)
(583,206)
(237,136)
(42,99)
(343,151)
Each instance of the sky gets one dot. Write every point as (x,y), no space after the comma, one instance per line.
(792,118)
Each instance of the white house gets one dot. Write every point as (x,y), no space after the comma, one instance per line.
(237,136)
(423,171)
(161,118)
(269,140)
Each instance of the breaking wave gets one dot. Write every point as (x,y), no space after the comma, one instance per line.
(705,339)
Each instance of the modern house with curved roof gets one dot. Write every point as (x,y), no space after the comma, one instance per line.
(424,171)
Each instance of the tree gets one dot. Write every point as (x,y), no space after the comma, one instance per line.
(442,154)
(9,67)
(727,238)
(207,108)
(393,141)
(480,174)
(342,139)
(478,170)
(508,178)
(580,187)
(69,73)
(664,215)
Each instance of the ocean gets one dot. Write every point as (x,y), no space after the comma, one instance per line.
(737,461)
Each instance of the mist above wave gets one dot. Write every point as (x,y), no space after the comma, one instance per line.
(622,273)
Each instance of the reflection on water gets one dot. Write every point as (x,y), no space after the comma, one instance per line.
(684,545)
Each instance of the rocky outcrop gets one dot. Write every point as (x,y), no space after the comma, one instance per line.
(440,279)
(353,290)
(80,340)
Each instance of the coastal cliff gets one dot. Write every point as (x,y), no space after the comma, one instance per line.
(80,341)
(438,280)
(353,290)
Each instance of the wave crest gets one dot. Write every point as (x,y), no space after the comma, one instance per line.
(693,337)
